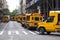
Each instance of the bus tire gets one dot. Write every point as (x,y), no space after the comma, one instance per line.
(41,31)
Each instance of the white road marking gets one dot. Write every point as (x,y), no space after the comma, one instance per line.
(25,32)
(17,32)
(9,32)
(32,32)
(36,32)
(1,33)
(3,29)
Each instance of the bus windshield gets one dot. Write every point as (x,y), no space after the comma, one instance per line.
(50,19)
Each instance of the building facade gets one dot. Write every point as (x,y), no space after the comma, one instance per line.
(23,6)
(3,5)
(1,9)
(42,6)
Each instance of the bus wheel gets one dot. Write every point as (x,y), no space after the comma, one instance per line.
(42,31)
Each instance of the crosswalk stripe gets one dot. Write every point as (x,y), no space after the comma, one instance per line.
(25,32)
(1,32)
(32,32)
(17,32)
(9,32)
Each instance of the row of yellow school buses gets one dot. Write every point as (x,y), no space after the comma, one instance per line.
(35,21)
(6,18)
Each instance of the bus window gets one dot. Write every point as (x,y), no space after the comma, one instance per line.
(58,23)
(20,18)
(36,18)
(23,18)
(40,18)
(32,18)
(28,18)
(58,17)
(50,19)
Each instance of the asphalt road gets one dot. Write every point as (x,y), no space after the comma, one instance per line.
(14,31)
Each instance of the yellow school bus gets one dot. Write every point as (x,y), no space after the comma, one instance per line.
(19,18)
(52,24)
(5,18)
(14,18)
(23,18)
(32,20)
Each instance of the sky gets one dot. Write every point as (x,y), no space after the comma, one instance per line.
(12,4)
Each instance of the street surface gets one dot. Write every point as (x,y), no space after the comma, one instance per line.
(14,31)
